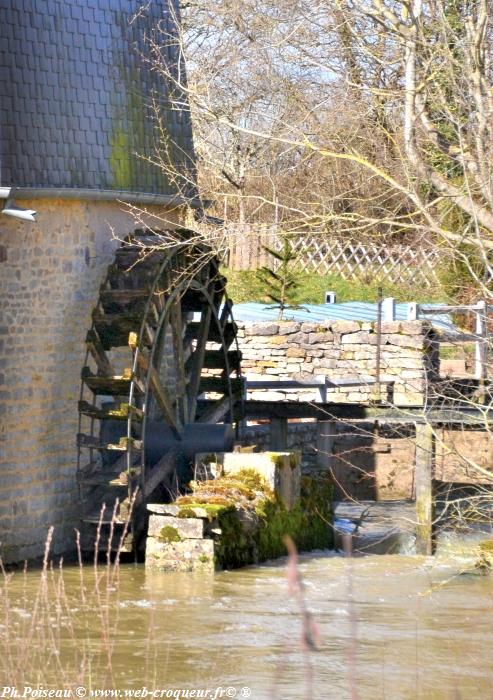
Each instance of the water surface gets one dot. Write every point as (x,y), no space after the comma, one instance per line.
(391,627)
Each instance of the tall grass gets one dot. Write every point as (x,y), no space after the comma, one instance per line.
(52,639)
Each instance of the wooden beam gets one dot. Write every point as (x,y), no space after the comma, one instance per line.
(120,413)
(198,362)
(278,441)
(451,415)
(326,432)
(160,393)
(95,347)
(155,476)
(216,411)
(424,461)
(178,351)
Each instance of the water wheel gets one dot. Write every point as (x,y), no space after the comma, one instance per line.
(161,381)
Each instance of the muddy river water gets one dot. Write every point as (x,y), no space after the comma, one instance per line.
(391,627)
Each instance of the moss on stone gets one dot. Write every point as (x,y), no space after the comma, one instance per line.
(486,546)
(259,535)
(212,510)
(169,534)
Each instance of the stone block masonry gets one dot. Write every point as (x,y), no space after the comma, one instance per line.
(50,272)
(341,349)
(241,517)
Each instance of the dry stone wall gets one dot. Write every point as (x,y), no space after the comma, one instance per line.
(341,350)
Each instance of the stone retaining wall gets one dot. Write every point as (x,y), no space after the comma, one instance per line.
(340,349)
(369,462)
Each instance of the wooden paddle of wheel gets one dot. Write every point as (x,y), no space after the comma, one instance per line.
(162,336)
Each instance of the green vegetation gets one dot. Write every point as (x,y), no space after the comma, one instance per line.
(280,285)
(245,286)
(253,520)
(169,534)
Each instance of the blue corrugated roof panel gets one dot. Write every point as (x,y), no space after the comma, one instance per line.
(346,311)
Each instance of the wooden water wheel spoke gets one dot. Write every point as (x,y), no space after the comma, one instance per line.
(160,393)
(95,347)
(164,306)
(178,350)
(203,330)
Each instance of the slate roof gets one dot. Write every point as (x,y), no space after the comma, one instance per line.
(75,96)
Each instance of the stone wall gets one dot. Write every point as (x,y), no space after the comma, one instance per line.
(377,462)
(341,349)
(50,272)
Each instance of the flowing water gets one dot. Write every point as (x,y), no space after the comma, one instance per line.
(391,627)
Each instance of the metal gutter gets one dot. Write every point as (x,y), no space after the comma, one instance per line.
(103,196)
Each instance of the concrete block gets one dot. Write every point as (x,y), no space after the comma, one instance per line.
(281,470)
(188,555)
(186,528)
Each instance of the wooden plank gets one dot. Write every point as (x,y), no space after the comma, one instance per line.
(109,478)
(134,255)
(216,411)
(202,335)
(98,353)
(122,297)
(220,385)
(423,479)
(226,312)
(117,385)
(120,413)
(161,394)
(161,471)
(93,442)
(464,415)
(316,382)
(278,439)
(230,330)
(214,359)
(192,300)
(178,351)
(326,433)
(113,329)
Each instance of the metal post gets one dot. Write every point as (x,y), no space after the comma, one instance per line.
(378,388)
(388,309)
(480,368)
(424,460)
(412,311)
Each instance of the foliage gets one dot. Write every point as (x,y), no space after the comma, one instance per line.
(253,521)
(281,283)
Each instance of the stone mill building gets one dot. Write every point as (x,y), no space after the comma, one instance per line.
(79,106)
